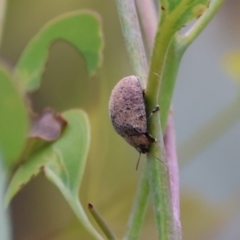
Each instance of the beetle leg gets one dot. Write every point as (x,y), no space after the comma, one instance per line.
(151,138)
(156,109)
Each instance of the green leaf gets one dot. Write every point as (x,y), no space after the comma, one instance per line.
(70,153)
(13,119)
(81,29)
(63,163)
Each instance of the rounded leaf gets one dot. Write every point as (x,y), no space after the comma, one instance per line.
(13,119)
(81,29)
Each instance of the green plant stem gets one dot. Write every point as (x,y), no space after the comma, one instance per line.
(171,153)
(149,21)
(176,50)
(78,210)
(101,223)
(160,190)
(132,35)
(166,91)
(170,72)
(163,71)
(139,208)
(158,173)
(136,52)
(162,41)
(200,25)
(172,64)
(167,54)
(4,214)
(145,8)
(3,4)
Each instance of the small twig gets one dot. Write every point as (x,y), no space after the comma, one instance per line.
(149,20)
(101,223)
(139,208)
(200,25)
(3,4)
(171,153)
(136,52)
(159,173)
(73,201)
(132,35)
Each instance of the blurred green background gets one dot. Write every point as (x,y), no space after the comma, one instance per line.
(210,180)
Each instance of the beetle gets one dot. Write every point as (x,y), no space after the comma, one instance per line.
(128,113)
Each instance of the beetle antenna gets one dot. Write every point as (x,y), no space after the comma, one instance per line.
(138,161)
(156,158)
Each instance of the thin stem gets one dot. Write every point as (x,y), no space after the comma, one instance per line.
(200,25)
(175,52)
(166,91)
(173,60)
(3,4)
(166,46)
(101,223)
(171,153)
(159,173)
(6,228)
(162,41)
(167,74)
(76,206)
(160,190)
(166,49)
(132,35)
(149,20)
(139,208)
(136,52)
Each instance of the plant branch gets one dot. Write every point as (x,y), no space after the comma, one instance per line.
(149,20)
(3,4)
(171,153)
(200,25)
(160,191)
(173,60)
(101,223)
(167,54)
(139,208)
(76,206)
(158,172)
(146,7)
(133,39)
(168,50)
(136,52)
(162,41)
(178,46)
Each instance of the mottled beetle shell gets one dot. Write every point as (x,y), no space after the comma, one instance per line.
(128,113)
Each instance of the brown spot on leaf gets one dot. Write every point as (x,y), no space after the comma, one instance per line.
(48,125)
(199,10)
(163,8)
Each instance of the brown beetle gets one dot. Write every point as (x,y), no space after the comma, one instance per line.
(128,113)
